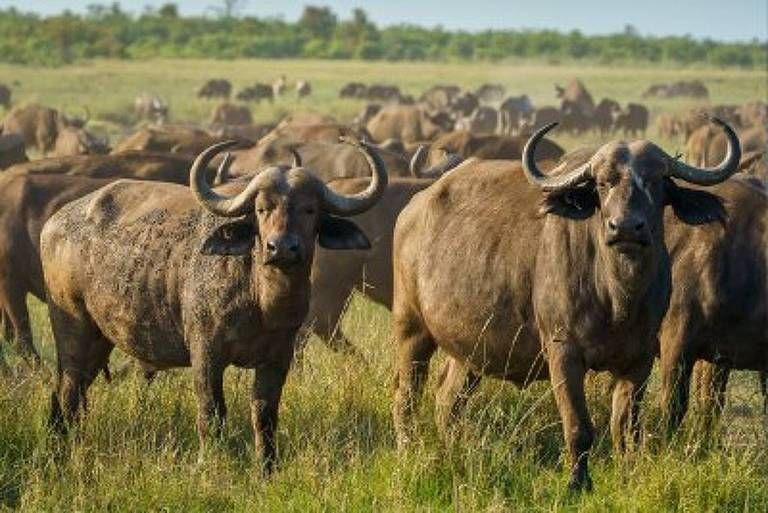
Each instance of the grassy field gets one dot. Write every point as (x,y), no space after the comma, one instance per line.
(137,449)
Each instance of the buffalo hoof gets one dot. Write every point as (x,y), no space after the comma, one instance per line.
(580,481)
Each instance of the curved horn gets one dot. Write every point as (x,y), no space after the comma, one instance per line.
(213,202)
(556,181)
(296,157)
(349,205)
(87,115)
(418,160)
(712,175)
(450,161)
(222,173)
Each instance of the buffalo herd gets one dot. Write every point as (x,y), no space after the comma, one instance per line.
(186,246)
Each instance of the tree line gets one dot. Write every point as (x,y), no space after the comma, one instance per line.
(107,31)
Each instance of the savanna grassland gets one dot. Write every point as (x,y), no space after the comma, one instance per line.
(137,448)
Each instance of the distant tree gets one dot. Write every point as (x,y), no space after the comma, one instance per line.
(229,8)
(168,10)
(318,22)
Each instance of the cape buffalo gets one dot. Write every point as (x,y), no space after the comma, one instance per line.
(169,138)
(194,277)
(520,285)
(256,92)
(576,95)
(230,114)
(484,120)
(38,125)
(440,97)
(490,93)
(30,193)
(408,123)
(77,141)
(606,113)
(150,107)
(354,90)
(140,165)
(466,145)
(303,88)
(11,150)
(5,96)
(279,86)
(719,310)
(215,88)
(632,120)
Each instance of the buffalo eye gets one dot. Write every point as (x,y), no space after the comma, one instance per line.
(309,211)
(227,233)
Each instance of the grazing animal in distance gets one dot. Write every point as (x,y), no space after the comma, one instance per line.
(215,88)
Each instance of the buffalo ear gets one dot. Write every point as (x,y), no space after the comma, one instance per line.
(338,233)
(232,239)
(577,202)
(694,206)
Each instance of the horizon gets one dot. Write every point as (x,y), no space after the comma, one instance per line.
(590,17)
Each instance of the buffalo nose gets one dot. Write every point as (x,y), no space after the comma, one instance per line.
(626,225)
(282,249)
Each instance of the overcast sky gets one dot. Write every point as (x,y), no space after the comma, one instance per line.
(717,19)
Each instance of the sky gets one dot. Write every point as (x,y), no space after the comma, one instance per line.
(726,20)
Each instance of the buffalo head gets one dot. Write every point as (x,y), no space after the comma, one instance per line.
(283,209)
(629,183)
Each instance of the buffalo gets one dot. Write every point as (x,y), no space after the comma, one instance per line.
(354,90)
(230,114)
(440,97)
(40,126)
(605,116)
(719,312)
(279,86)
(256,93)
(220,277)
(11,150)
(215,88)
(303,88)
(168,138)
(5,96)
(520,285)
(30,193)
(464,145)
(409,123)
(575,96)
(632,120)
(490,93)
(150,107)
(484,120)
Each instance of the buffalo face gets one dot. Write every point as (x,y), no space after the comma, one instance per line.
(285,209)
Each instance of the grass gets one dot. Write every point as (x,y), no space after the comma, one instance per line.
(137,448)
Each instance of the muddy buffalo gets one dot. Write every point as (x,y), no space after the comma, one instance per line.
(194,277)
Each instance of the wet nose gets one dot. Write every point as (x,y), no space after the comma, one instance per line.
(284,248)
(628,225)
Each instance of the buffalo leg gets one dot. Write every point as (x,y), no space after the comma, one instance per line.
(713,384)
(764,390)
(567,371)
(414,349)
(268,384)
(676,368)
(82,352)
(331,294)
(627,395)
(19,317)
(211,410)
(457,385)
